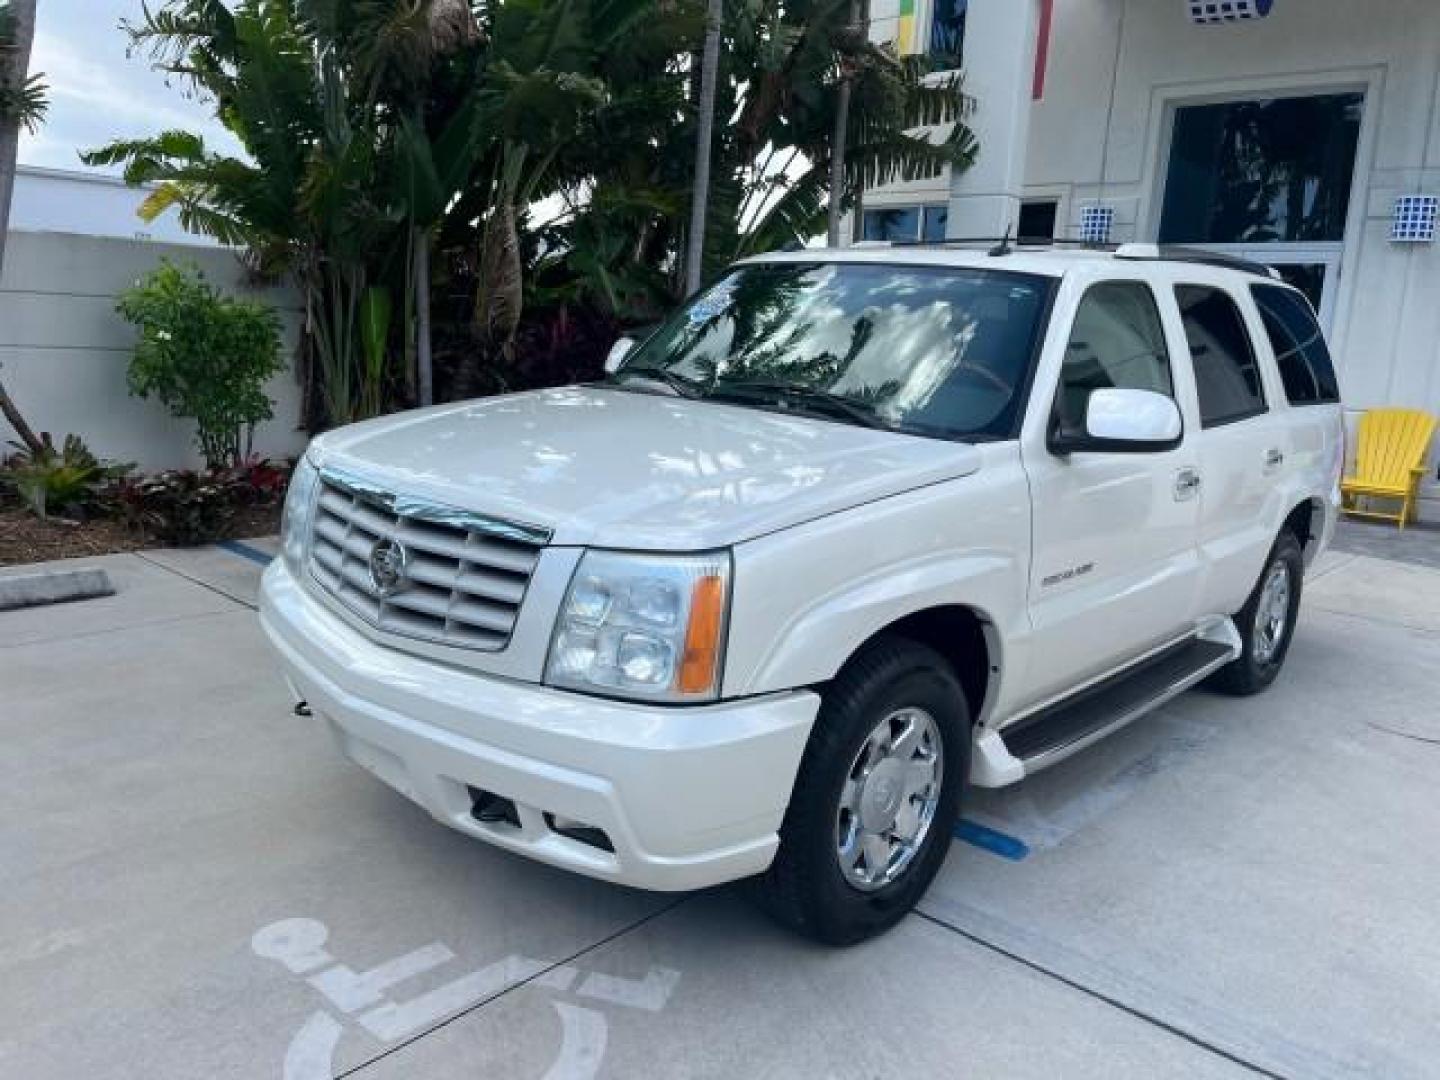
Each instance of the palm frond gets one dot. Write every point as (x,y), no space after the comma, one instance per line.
(25,103)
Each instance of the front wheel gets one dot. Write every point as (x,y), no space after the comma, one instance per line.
(1267,621)
(878,792)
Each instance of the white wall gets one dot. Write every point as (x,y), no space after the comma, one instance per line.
(65,352)
(1386,331)
(90,204)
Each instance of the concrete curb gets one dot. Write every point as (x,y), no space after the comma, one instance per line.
(57,587)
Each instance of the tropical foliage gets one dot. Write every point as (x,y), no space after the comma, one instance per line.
(66,481)
(525,163)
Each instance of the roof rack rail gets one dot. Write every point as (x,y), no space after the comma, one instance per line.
(1012,241)
(1004,245)
(1169,253)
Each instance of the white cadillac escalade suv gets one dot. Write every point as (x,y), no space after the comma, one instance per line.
(852,531)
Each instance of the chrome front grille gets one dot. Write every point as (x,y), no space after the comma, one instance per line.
(457,578)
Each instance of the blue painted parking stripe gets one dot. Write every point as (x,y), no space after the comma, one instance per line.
(991,840)
(245,551)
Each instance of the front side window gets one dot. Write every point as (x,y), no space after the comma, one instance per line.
(938,351)
(1227,375)
(1117,342)
(1300,351)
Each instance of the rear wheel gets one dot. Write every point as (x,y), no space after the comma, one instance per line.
(879,787)
(1267,621)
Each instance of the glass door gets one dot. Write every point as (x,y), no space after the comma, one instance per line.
(1267,179)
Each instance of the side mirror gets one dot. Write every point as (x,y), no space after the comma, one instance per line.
(1122,422)
(618,352)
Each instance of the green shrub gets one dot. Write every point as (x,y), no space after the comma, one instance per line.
(205,356)
(69,482)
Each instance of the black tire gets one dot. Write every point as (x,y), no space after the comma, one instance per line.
(1250,673)
(805,888)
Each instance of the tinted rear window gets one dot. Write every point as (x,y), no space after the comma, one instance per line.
(1300,350)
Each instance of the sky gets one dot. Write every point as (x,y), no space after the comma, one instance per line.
(98,94)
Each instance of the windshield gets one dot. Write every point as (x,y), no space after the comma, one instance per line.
(937,351)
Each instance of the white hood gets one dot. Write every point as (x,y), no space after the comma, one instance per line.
(612,468)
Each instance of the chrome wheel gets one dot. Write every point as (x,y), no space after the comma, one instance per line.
(888,801)
(1272,613)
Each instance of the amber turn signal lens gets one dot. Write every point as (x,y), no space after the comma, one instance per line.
(702,637)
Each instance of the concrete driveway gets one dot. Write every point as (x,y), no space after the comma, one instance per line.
(194,884)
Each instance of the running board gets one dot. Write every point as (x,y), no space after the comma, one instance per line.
(1068,726)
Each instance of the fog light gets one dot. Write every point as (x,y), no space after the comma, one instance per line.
(590,835)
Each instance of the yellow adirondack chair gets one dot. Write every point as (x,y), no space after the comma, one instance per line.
(1389,461)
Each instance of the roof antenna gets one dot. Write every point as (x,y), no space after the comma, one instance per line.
(1002,248)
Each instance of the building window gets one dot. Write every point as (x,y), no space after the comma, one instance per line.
(936,220)
(906,224)
(947,33)
(1037,219)
(1227,378)
(893,223)
(1275,170)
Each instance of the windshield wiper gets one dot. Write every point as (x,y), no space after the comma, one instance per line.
(679,384)
(809,398)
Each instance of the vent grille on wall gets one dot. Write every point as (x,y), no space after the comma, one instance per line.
(1096,223)
(1415,219)
(1228,11)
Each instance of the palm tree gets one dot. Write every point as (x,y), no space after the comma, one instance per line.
(22,105)
(571,86)
(796,133)
(705,126)
(340,187)
(780,67)
(377,130)
(842,128)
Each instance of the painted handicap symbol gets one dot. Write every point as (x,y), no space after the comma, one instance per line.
(364,997)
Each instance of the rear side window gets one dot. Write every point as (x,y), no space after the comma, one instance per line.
(1116,342)
(1227,376)
(1300,350)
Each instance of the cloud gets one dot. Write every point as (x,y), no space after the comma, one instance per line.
(97,93)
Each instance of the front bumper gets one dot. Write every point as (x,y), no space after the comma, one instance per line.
(687,796)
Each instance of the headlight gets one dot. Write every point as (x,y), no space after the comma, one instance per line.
(643,626)
(299,501)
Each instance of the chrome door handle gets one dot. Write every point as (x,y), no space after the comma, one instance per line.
(1187,484)
(1274,458)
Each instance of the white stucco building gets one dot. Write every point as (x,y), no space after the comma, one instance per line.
(1286,130)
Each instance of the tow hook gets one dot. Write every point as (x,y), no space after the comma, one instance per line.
(302,708)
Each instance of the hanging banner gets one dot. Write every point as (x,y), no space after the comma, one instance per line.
(1228,11)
